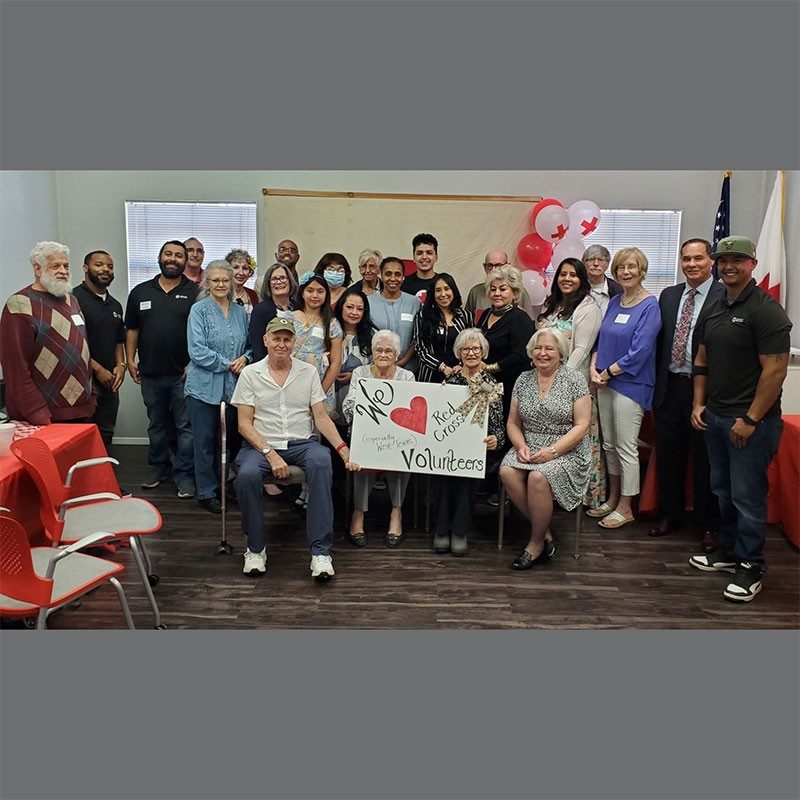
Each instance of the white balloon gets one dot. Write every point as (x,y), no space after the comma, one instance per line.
(534,285)
(551,223)
(567,248)
(584,216)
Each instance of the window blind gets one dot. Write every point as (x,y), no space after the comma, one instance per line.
(219,226)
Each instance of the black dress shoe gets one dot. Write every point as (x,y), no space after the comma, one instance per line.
(709,543)
(357,539)
(549,548)
(393,539)
(525,560)
(661,529)
(210,504)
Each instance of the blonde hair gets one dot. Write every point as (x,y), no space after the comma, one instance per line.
(511,275)
(626,252)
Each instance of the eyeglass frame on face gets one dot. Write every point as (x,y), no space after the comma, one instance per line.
(287,250)
(490,267)
(278,279)
(597,258)
(219,281)
(385,351)
(477,349)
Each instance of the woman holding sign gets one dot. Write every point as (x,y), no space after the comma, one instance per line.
(454,496)
(385,353)
(547,426)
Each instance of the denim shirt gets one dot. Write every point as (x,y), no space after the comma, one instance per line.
(214,342)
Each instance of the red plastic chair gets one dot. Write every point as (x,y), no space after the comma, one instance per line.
(68,519)
(39,580)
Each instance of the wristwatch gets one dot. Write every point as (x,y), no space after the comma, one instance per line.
(749,420)
(265,451)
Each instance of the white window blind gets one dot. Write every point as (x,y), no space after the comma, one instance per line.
(221,227)
(655,233)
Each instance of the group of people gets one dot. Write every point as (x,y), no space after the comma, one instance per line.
(565,386)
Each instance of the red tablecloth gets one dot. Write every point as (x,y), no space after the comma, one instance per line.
(69,443)
(783,499)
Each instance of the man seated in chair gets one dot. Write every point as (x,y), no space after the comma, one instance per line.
(280,400)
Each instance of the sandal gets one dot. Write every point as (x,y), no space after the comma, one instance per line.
(600,511)
(615,520)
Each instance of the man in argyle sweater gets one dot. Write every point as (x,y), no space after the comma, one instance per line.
(43,347)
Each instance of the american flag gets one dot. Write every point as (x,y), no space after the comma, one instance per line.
(722,222)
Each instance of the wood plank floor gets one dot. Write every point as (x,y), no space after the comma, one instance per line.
(623,579)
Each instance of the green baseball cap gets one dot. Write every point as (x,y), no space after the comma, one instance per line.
(735,245)
(278,324)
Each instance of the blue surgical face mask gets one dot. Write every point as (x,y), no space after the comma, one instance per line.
(333,278)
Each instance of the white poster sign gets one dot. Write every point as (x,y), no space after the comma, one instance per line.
(406,426)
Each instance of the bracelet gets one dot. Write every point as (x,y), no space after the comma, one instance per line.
(343,444)
(749,420)
(700,370)
(554,451)
(122,364)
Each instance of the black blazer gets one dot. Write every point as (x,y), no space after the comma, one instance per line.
(669,301)
(613,287)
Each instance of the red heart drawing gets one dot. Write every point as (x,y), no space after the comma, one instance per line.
(414,418)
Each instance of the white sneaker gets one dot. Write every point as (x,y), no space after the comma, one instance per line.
(322,568)
(255,563)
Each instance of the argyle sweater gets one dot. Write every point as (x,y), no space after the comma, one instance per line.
(45,358)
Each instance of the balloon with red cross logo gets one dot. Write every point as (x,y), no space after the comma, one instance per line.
(584,217)
(551,223)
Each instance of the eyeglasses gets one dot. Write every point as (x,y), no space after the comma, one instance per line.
(597,258)
(278,279)
(467,350)
(494,266)
(384,351)
(368,267)
(219,280)
(287,249)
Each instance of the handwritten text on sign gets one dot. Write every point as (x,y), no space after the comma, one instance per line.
(405,426)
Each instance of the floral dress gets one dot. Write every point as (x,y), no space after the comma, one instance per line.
(309,346)
(597,488)
(545,421)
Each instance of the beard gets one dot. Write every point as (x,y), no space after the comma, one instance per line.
(99,281)
(55,286)
(170,269)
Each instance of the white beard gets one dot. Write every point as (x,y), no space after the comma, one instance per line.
(54,286)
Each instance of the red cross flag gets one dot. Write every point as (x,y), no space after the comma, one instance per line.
(770,272)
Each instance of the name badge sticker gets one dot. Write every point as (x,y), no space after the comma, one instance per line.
(621,319)
(406,318)
(145,305)
(77,319)
(317,332)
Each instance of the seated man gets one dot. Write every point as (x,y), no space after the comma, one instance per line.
(280,400)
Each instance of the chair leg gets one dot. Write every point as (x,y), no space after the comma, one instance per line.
(145,555)
(578,525)
(148,590)
(501,516)
(123,601)
(41,619)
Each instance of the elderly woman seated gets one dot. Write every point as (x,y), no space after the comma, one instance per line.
(547,427)
(454,496)
(385,352)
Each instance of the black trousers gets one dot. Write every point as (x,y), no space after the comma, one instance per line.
(105,415)
(676,442)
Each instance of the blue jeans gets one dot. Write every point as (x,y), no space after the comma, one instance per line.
(315,461)
(739,480)
(164,400)
(208,443)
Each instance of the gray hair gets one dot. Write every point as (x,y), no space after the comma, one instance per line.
(595,250)
(386,335)
(237,252)
(511,275)
(43,250)
(366,255)
(558,337)
(471,335)
(263,285)
(220,266)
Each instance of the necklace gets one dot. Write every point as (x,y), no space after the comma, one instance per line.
(633,298)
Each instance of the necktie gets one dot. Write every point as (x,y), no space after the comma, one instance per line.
(682,330)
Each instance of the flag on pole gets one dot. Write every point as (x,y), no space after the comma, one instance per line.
(722,222)
(770,272)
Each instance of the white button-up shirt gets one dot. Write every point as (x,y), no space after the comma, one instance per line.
(283,412)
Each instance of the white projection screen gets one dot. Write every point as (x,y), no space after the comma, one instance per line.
(466,226)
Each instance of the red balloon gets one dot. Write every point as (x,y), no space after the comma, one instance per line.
(543,203)
(534,252)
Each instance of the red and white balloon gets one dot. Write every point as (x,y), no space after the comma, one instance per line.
(551,223)
(567,248)
(584,217)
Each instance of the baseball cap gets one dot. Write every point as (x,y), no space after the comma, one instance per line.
(277,324)
(735,245)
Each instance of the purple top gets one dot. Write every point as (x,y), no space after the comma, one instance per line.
(628,337)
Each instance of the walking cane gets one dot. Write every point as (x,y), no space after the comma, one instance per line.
(223,548)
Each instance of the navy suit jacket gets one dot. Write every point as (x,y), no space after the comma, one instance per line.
(669,301)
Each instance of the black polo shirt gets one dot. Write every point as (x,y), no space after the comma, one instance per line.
(735,334)
(161,318)
(104,326)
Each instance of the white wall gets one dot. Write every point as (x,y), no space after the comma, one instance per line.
(91,207)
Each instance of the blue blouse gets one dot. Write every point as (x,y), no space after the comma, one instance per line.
(214,342)
(628,337)
(396,315)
